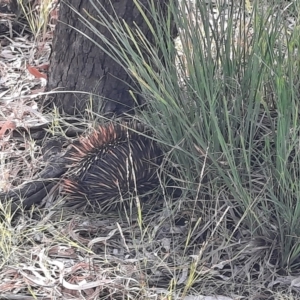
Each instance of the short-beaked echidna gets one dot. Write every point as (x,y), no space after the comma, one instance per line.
(110,164)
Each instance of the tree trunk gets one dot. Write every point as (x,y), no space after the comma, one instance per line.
(77,64)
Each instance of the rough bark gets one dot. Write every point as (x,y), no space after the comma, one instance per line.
(77,64)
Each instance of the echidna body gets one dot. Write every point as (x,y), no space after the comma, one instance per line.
(116,160)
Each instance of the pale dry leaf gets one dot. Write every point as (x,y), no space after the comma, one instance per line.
(87,285)
(207,298)
(102,239)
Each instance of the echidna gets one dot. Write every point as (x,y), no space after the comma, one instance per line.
(115,161)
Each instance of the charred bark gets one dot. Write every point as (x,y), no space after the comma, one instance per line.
(77,64)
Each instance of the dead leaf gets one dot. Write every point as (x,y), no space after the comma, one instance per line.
(35,72)
(7,125)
